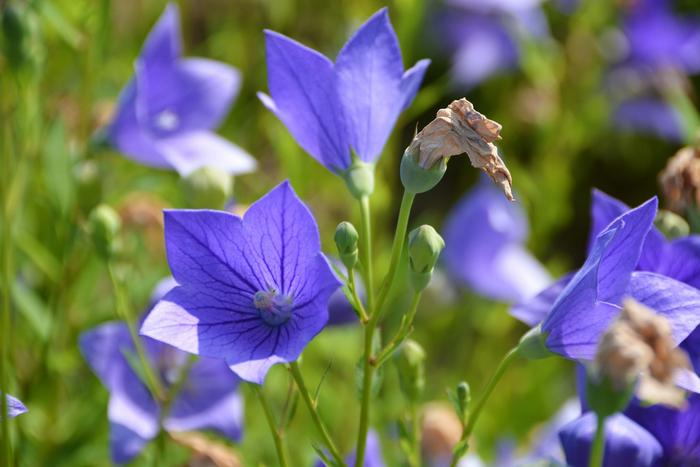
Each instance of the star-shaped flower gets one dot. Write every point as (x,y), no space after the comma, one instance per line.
(335,109)
(253,291)
(167,112)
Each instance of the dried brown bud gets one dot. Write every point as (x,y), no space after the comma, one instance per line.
(460,129)
(207,453)
(639,344)
(680,180)
(441,431)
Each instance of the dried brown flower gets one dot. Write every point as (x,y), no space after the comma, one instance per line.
(680,180)
(460,129)
(639,344)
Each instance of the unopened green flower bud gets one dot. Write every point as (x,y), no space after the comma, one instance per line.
(424,248)
(359,178)
(207,187)
(103,225)
(671,224)
(346,241)
(461,398)
(417,179)
(410,359)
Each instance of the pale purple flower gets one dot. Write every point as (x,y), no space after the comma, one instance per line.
(586,302)
(167,112)
(485,35)
(626,443)
(14,406)
(485,238)
(656,40)
(208,399)
(336,109)
(253,291)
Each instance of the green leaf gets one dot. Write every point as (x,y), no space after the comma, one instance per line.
(33,309)
(42,258)
(58,169)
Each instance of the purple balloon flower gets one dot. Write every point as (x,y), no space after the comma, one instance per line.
(167,112)
(14,406)
(335,109)
(253,291)
(207,400)
(626,442)
(677,431)
(586,302)
(659,38)
(484,35)
(485,236)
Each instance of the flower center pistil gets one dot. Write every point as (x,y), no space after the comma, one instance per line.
(275,309)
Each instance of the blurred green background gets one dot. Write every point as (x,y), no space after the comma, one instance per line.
(75,56)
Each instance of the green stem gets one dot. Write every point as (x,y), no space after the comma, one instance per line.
(598,447)
(124,312)
(356,298)
(5,287)
(415,459)
(397,248)
(276,435)
(479,405)
(401,334)
(368,368)
(311,405)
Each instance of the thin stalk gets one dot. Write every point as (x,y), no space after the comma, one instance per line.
(124,312)
(311,405)
(598,447)
(5,285)
(415,458)
(397,247)
(274,431)
(368,368)
(401,334)
(352,284)
(479,405)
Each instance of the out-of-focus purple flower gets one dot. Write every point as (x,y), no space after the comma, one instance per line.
(658,38)
(626,443)
(331,108)
(649,115)
(208,399)
(167,112)
(253,291)
(589,301)
(677,431)
(485,236)
(373,453)
(485,35)
(14,406)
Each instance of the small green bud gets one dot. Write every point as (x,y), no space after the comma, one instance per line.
(671,224)
(417,179)
(104,225)
(410,359)
(602,395)
(359,178)
(460,398)
(346,238)
(533,345)
(207,187)
(424,248)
